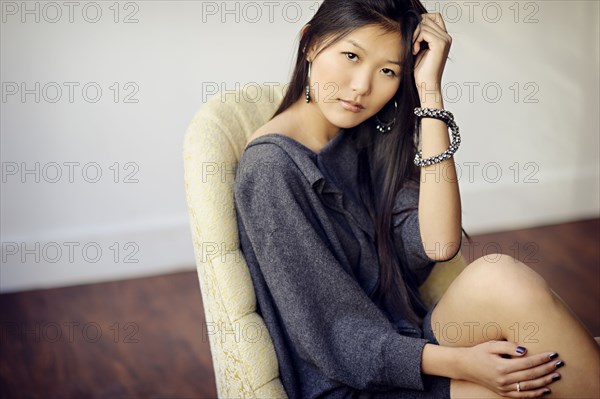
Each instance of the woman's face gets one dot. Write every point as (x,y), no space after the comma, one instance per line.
(363,68)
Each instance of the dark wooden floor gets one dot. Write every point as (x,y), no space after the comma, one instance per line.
(143,338)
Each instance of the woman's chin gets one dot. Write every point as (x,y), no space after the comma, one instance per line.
(346,123)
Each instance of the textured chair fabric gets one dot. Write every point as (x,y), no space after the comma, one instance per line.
(244,359)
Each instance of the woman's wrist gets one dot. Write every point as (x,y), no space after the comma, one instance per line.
(430,95)
(445,361)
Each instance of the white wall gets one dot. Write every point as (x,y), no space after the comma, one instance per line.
(170,56)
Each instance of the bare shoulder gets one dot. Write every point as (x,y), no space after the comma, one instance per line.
(266,154)
(267,128)
(280,124)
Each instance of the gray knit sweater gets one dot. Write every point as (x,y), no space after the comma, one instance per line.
(309,245)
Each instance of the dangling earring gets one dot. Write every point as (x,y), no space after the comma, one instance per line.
(308,84)
(385,127)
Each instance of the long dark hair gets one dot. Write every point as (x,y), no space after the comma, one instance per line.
(385,160)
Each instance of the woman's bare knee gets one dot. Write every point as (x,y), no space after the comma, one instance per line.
(500,276)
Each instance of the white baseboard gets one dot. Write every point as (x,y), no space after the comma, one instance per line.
(124,252)
(555,198)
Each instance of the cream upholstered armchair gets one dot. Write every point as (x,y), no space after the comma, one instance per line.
(244,359)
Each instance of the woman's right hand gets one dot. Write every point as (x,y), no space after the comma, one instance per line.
(498,366)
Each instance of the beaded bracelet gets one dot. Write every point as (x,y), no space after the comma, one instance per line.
(446,117)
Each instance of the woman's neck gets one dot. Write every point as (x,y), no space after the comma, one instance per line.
(311,123)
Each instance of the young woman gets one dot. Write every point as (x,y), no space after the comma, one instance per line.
(341,219)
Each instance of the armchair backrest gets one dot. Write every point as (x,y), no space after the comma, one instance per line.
(243,354)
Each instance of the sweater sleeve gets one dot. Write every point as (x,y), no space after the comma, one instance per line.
(407,234)
(330,321)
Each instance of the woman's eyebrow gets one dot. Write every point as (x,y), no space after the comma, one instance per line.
(365,51)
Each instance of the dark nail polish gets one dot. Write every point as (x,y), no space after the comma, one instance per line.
(520,350)
(553,356)
(556,377)
(547,392)
(559,364)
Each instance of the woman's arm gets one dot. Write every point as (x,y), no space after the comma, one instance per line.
(442,361)
(439,201)
(439,204)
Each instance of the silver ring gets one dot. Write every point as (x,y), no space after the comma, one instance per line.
(518,387)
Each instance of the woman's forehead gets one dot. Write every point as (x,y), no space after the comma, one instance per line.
(374,33)
(373,38)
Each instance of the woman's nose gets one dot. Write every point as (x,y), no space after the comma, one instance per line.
(361,82)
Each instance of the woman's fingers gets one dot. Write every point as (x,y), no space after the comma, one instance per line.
(500,365)
(436,18)
(533,373)
(535,384)
(506,348)
(432,32)
(440,30)
(536,377)
(536,393)
(528,389)
(428,30)
(532,364)
(425,34)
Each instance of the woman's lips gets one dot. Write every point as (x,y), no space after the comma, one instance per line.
(350,106)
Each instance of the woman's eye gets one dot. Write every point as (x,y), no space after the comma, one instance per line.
(388,72)
(350,56)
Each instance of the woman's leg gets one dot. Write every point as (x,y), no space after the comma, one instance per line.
(499,298)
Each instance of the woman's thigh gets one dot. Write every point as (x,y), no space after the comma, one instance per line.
(468,390)
(479,305)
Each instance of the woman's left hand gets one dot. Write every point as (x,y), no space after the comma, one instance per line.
(429,65)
